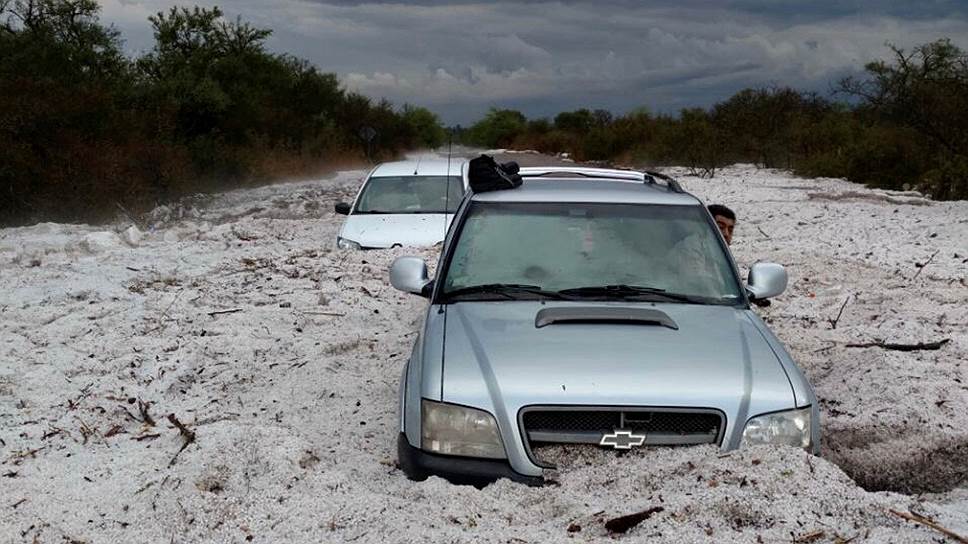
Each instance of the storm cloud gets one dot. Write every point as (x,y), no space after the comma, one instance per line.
(460,58)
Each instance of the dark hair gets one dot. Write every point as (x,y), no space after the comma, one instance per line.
(722,211)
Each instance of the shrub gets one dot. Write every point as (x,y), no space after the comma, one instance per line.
(84,130)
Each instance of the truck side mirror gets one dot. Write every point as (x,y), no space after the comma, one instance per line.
(766,280)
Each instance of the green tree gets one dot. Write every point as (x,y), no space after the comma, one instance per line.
(83,129)
(579,121)
(759,122)
(498,128)
(925,89)
(925,92)
(61,76)
(696,142)
(427,129)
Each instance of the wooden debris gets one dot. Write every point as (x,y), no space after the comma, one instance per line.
(825,348)
(18,457)
(116,429)
(921,267)
(920,346)
(220,312)
(834,321)
(809,537)
(145,416)
(86,430)
(186,433)
(622,524)
(917,518)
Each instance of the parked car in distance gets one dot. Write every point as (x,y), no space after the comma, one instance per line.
(605,310)
(403,203)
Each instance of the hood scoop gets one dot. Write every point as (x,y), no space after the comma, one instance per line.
(594,315)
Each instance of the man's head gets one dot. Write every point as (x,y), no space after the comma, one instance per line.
(725,220)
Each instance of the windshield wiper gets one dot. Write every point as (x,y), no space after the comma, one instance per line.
(622,292)
(509,291)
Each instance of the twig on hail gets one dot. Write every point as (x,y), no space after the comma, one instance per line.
(921,267)
(186,433)
(917,518)
(921,346)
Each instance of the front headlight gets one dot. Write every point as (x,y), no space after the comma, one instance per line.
(343,243)
(790,428)
(457,430)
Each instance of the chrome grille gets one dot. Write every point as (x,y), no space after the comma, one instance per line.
(661,426)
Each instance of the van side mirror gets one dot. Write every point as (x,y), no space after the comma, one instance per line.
(342,208)
(409,274)
(766,280)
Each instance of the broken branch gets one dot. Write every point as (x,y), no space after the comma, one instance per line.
(916,518)
(923,266)
(219,312)
(186,433)
(145,416)
(809,537)
(921,346)
(834,321)
(622,524)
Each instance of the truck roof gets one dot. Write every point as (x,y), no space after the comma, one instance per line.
(584,189)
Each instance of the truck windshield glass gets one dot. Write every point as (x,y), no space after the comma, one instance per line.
(592,251)
(411,194)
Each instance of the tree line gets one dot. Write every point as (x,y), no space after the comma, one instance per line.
(903,124)
(84,129)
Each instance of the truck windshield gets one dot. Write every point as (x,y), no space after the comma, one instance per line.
(591,251)
(411,194)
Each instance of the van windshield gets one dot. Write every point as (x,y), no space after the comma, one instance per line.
(411,194)
(592,251)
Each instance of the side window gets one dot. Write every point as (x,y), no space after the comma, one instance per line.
(697,251)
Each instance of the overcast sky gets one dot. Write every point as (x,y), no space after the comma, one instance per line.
(461,58)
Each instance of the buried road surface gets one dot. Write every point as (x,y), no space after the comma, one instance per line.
(279,357)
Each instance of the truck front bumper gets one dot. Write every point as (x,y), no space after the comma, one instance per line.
(418,465)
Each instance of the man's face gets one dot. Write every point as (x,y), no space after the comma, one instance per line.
(726,226)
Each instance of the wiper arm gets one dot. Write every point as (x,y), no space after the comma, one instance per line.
(507,290)
(622,291)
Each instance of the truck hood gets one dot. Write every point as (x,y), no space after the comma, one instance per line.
(497,359)
(388,230)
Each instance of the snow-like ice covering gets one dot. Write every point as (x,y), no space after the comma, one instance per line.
(282,354)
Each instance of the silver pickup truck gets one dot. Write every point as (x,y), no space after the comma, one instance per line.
(590,306)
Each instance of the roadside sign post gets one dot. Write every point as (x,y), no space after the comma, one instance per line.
(367,133)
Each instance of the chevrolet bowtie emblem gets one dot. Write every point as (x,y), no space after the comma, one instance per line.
(622,440)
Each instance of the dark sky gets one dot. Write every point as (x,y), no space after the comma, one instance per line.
(461,58)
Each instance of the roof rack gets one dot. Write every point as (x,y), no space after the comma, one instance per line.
(670,181)
(602,173)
